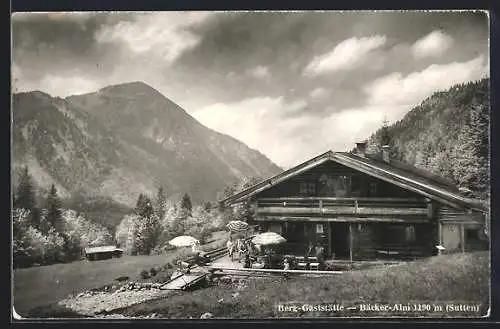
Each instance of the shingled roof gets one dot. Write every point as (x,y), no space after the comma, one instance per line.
(394,172)
(94,250)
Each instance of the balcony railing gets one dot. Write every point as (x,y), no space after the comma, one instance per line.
(325,206)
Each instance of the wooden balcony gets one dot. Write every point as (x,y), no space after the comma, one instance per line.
(355,207)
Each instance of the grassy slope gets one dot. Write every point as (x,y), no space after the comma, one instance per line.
(460,277)
(39,286)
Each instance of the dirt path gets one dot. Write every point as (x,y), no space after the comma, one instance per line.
(93,303)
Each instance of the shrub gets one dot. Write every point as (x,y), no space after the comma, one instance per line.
(153,271)
(144,274)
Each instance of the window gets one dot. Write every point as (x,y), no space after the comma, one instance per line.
(410,233)
(396,234)
(357,186)
(307,189)
(319,228)
(472,233)
(332,185)
(373,188)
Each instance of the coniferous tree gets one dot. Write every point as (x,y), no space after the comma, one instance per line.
(148,227)
(54,212)
(147,234)
(471,169)
(161,204)
(207,206)
(385,138)
(186,204)
(25,197)
(144,206)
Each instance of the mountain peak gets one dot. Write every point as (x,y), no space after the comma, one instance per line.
(35,93)
(130,87)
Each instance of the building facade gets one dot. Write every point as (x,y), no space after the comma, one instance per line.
(365,207)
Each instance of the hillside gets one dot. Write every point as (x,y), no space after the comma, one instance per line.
(447,134)
(122,140)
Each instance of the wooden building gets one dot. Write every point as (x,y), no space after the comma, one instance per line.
(104,252)
(365,207)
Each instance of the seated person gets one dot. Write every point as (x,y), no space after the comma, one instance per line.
(286,264)
(320,253)
(182,267)
(253,249)
(201,258)
(259,263)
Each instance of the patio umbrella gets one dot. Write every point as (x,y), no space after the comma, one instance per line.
(268,238)
(237,226)
(183,241)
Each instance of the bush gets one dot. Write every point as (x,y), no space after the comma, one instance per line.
(45,245)
(153,271)
(144,274)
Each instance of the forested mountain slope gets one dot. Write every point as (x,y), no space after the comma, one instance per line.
(447,134)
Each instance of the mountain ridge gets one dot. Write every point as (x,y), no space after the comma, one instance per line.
(125,139)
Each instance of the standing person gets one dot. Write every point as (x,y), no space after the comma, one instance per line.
(242,248)
(230,247)
(320,252)
(247,262)
(195,247)
(286,267)
(310,250)
(258,249)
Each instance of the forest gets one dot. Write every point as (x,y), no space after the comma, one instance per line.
(44,232)
(448,135)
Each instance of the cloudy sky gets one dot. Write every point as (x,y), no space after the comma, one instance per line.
(290,84)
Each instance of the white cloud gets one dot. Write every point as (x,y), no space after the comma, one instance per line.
(355,124)
(259,72)
(432,45)
(319,93)
(62,86)
(395,89)
(165,36)
(259,123)
(71,83)
(347,55)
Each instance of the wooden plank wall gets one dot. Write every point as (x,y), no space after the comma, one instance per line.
(367,242)
(291,187)
(450,220)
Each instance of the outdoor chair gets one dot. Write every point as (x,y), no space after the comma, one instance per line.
(313,263)
(314,266)
(301,262)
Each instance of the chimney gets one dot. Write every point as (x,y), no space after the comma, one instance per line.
(385,153)
(361,149)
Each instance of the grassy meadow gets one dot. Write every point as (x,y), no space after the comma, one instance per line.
(39,286)
(437,280)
